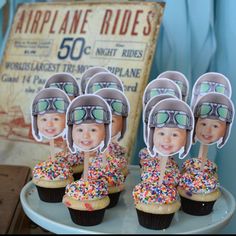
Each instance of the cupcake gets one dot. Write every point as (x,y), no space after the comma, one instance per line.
(75,160)
(51,178)
(118,153)
(198,193)
(144,156)
(193,165)
(116,185)
(86,201)
(114,178)
(155,205)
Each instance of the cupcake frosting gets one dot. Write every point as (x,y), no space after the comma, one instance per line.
(111,176)
(70,158)
(171,176)
(147,160)
(152,193)
(199,183)
(144,154)
(52,170)
(114,148)
(91,189)
(112,161)
(194,165)
(154,165)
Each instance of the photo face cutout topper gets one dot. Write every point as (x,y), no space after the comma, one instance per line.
(213,116)
(120,108)
(88,124)
(48,114)
(147,109)
(170,128)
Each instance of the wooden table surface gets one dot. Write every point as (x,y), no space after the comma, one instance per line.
(12,180)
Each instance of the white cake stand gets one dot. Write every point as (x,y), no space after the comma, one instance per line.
(122,219)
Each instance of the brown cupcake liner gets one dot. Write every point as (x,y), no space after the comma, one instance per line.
(197,208)
(50,194)
(87,218)
(77,176)
(114,198)
(154,221)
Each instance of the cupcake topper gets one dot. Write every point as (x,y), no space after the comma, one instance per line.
(88,126)
(210,82)
(214,114)
(103,80)
(160,86)
(88,74)
(180,79)
(147,109)
(48,113)
(67,83)
(64,81)
(170,127)
(120,108)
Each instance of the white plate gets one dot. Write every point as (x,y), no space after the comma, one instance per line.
(122,218)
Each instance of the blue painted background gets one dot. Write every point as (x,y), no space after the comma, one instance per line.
(195,37)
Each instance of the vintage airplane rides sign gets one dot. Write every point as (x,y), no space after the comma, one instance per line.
(48,38)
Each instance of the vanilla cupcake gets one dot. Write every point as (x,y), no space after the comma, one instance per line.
(193,165)
(86,201)
(118,154)
(144,156)
(51,178)
(114,178)
(155,205)
(198,193)
(75,160)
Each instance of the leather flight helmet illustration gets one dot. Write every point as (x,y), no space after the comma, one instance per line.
(180,79)
(210,82)
(161,86)
(103,80)
(88,74)
(65,81)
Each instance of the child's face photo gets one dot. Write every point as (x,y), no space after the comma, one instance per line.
(51,124)
(117,124)
(209,131)
(169,141)
(88,136)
